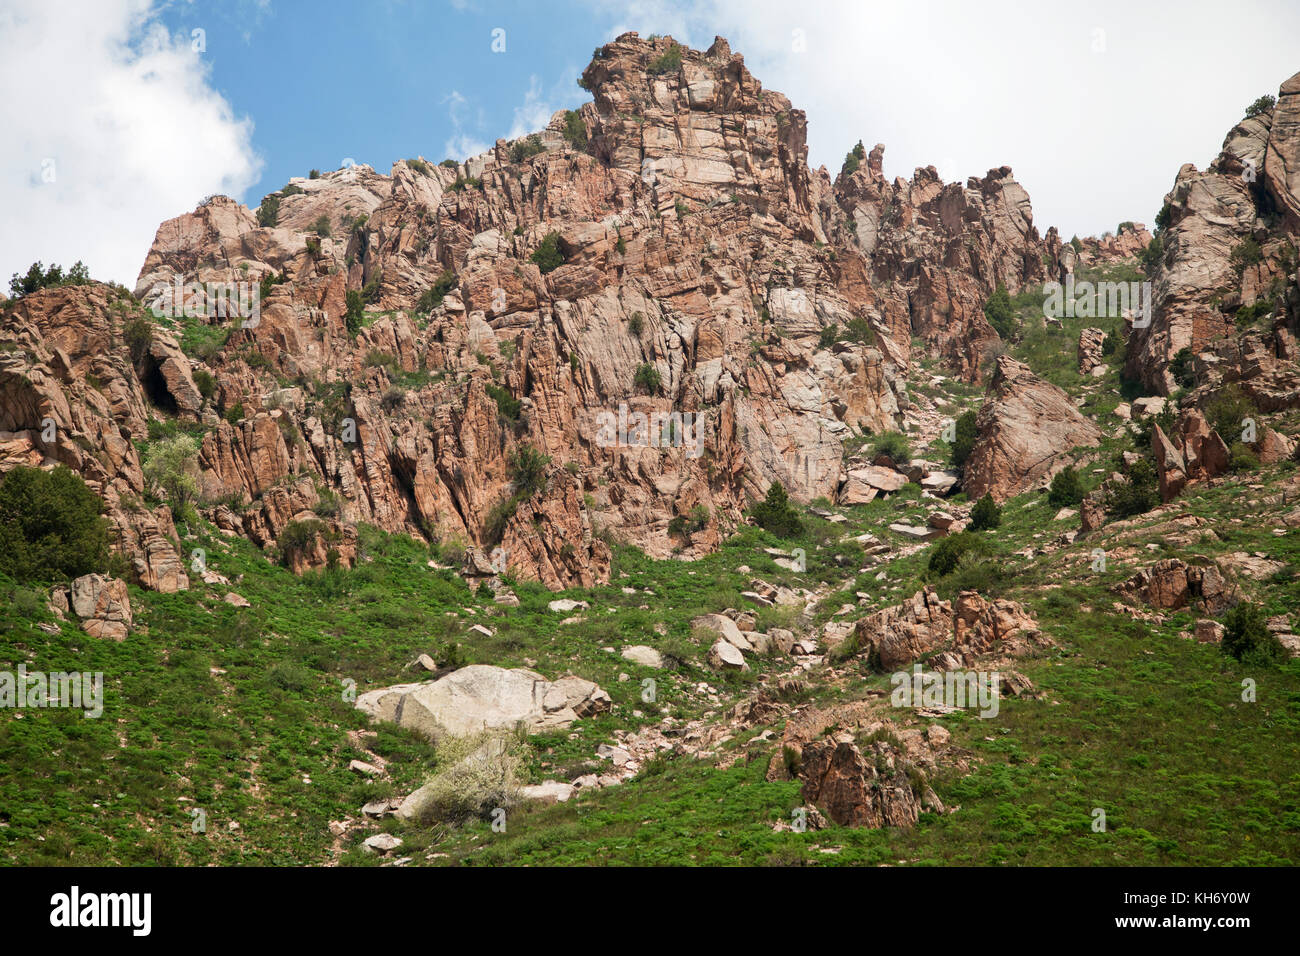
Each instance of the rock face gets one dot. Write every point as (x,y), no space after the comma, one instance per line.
(1229,244)
(941,250)
(103,605)
(1172,584)
(1025,429)
(896,636)
(846,784)
(1090,350)
(482,697)
(1195,452)
(678,359)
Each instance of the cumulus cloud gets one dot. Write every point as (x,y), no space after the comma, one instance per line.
(1095,106)
(462,144)
(110,126)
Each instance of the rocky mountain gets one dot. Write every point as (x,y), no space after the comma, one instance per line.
(701,270)
(809,454)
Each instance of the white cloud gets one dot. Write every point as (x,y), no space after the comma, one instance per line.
(110,127)
(461,145)
(1095,135)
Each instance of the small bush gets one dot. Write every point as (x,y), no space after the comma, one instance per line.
(775,515)
(268,213)
(965,439)
(205,383)
(1247,638)
(1182,367)
(986,515)
(548,255)
(170,468)
(475,776)
(507,405)
(321,226)
(1261,105)
(948,552)
(432,297)
(1001,313)
(854,159)
(670,61)
(354,315)
(893,444)
(1241,457)
(1139,494)
(528,470)
(1066,490)
(419,166)
(138,335)
(635,324)
(1228,411)
(575,130)
(1245,253)
(526,148)
(648,378)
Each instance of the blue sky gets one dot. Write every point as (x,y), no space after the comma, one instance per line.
(113,122)
(377,82)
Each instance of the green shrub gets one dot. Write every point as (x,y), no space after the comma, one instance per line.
(1245,253)
(670,61)
(1247,637)
(648,378)
(1139,494)
(1183,367)
(697,520)
(51,528)
(205,383)
(986,515)
(465,182)
(775,515)
(235,413)
(527,470)
(526,148)
(965,439)
(170,468)
(508,406)
(419,166)
(635,324)
(548,254)
(1001,313)
(314,174)
(475,776)
(1066,491)
(575,130)
(1228,410)
(138,336)
(268,213)
(854,159)
(893,444)
(1261,105)
(1153,255)
(322,225)
(354,315)
(828,336)
(949,551)
(1241,457)
(298,536)
(432,297)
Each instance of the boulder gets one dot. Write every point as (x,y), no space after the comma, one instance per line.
(1024,432)
(483,697)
